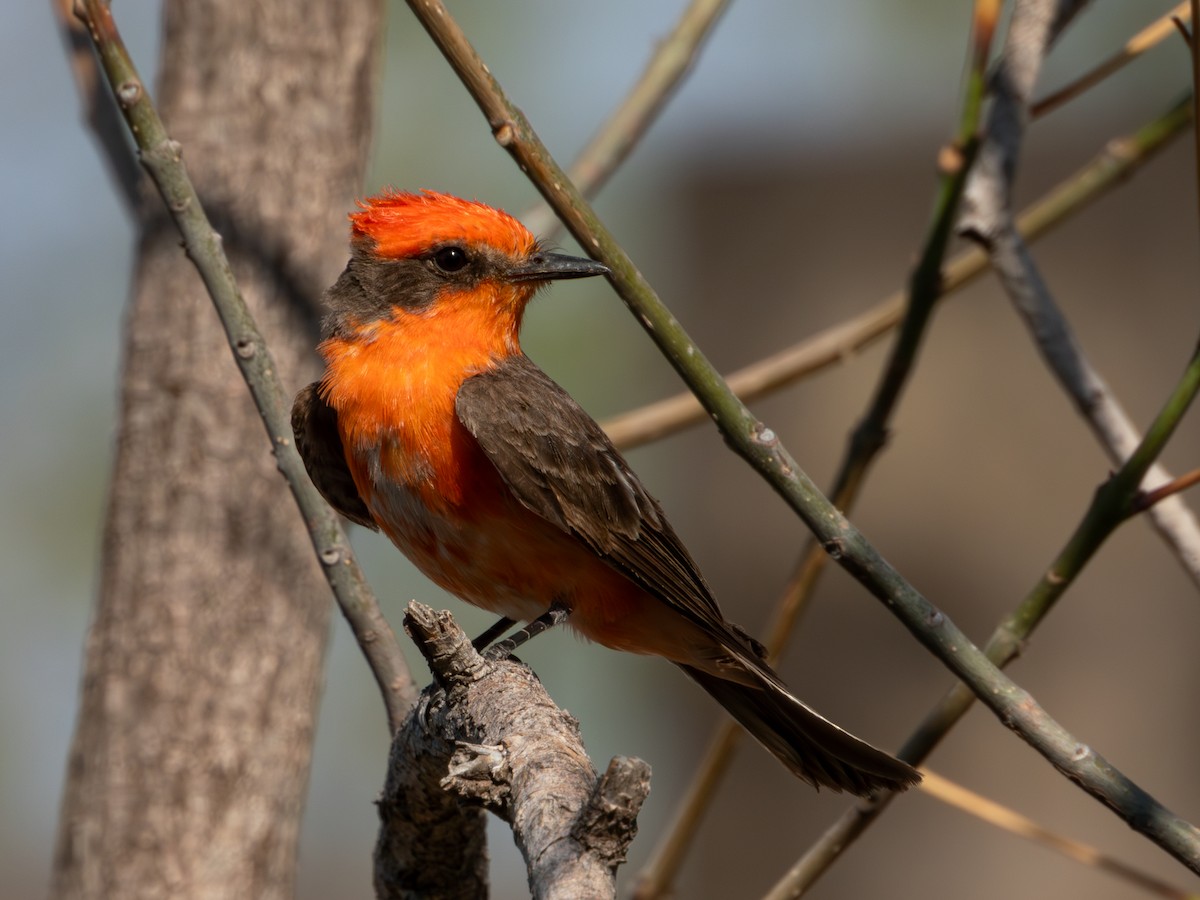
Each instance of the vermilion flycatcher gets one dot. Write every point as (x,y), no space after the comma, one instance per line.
(432,425)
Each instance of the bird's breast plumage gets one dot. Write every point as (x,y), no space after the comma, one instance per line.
(393,385)
(422,476)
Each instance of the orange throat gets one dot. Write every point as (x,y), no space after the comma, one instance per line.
(394,383)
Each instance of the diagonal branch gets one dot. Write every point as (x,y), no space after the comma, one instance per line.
(925,287)
(1144,40)
(162,158)
(103,116)
(615,139)
(988,220)
(760,447)
(1013,822)
(1113,502)
(1088,390)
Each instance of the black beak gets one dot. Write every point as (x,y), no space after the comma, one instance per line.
(543,266)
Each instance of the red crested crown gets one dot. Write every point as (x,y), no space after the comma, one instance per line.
(403,224)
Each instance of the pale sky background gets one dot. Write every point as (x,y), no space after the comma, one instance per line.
(812,79)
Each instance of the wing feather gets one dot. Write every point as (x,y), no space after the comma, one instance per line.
(314,424)
(561,465)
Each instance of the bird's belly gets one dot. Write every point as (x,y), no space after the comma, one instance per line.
(478,565)
(494,553)
(497,555)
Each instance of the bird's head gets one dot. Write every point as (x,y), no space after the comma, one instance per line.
(431,254)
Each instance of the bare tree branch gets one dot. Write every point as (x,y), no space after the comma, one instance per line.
(1111,504)
(1144,40)
(987,219)
(100,109)
(1113,166)
(869,435)
(1009,820)
(493,739)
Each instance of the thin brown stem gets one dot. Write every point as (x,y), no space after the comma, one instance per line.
(1146,39)
(1000,816)
(612,143)
(1162,492)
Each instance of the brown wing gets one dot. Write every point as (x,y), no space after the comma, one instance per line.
(561,465)
(314,423)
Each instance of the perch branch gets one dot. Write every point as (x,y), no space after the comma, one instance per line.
(499,743)
(162,158)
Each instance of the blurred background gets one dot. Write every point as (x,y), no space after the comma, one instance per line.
(786,188)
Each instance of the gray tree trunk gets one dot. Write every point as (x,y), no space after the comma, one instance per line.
(203,666)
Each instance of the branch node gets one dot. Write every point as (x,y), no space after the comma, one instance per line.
(480,774)
(835,548)
(505,134)
(129,92)
(761,434)
(950,159)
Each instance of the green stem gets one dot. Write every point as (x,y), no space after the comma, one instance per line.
(161,157)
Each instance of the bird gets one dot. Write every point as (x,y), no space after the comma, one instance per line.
(431,425)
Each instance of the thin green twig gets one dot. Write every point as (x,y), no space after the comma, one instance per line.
(613,141)
(161,157)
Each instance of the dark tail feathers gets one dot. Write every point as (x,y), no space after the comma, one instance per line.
(807,743)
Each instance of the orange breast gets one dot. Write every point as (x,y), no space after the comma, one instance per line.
(436,495)
(394,385)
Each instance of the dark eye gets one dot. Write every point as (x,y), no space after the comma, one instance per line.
(451,259)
